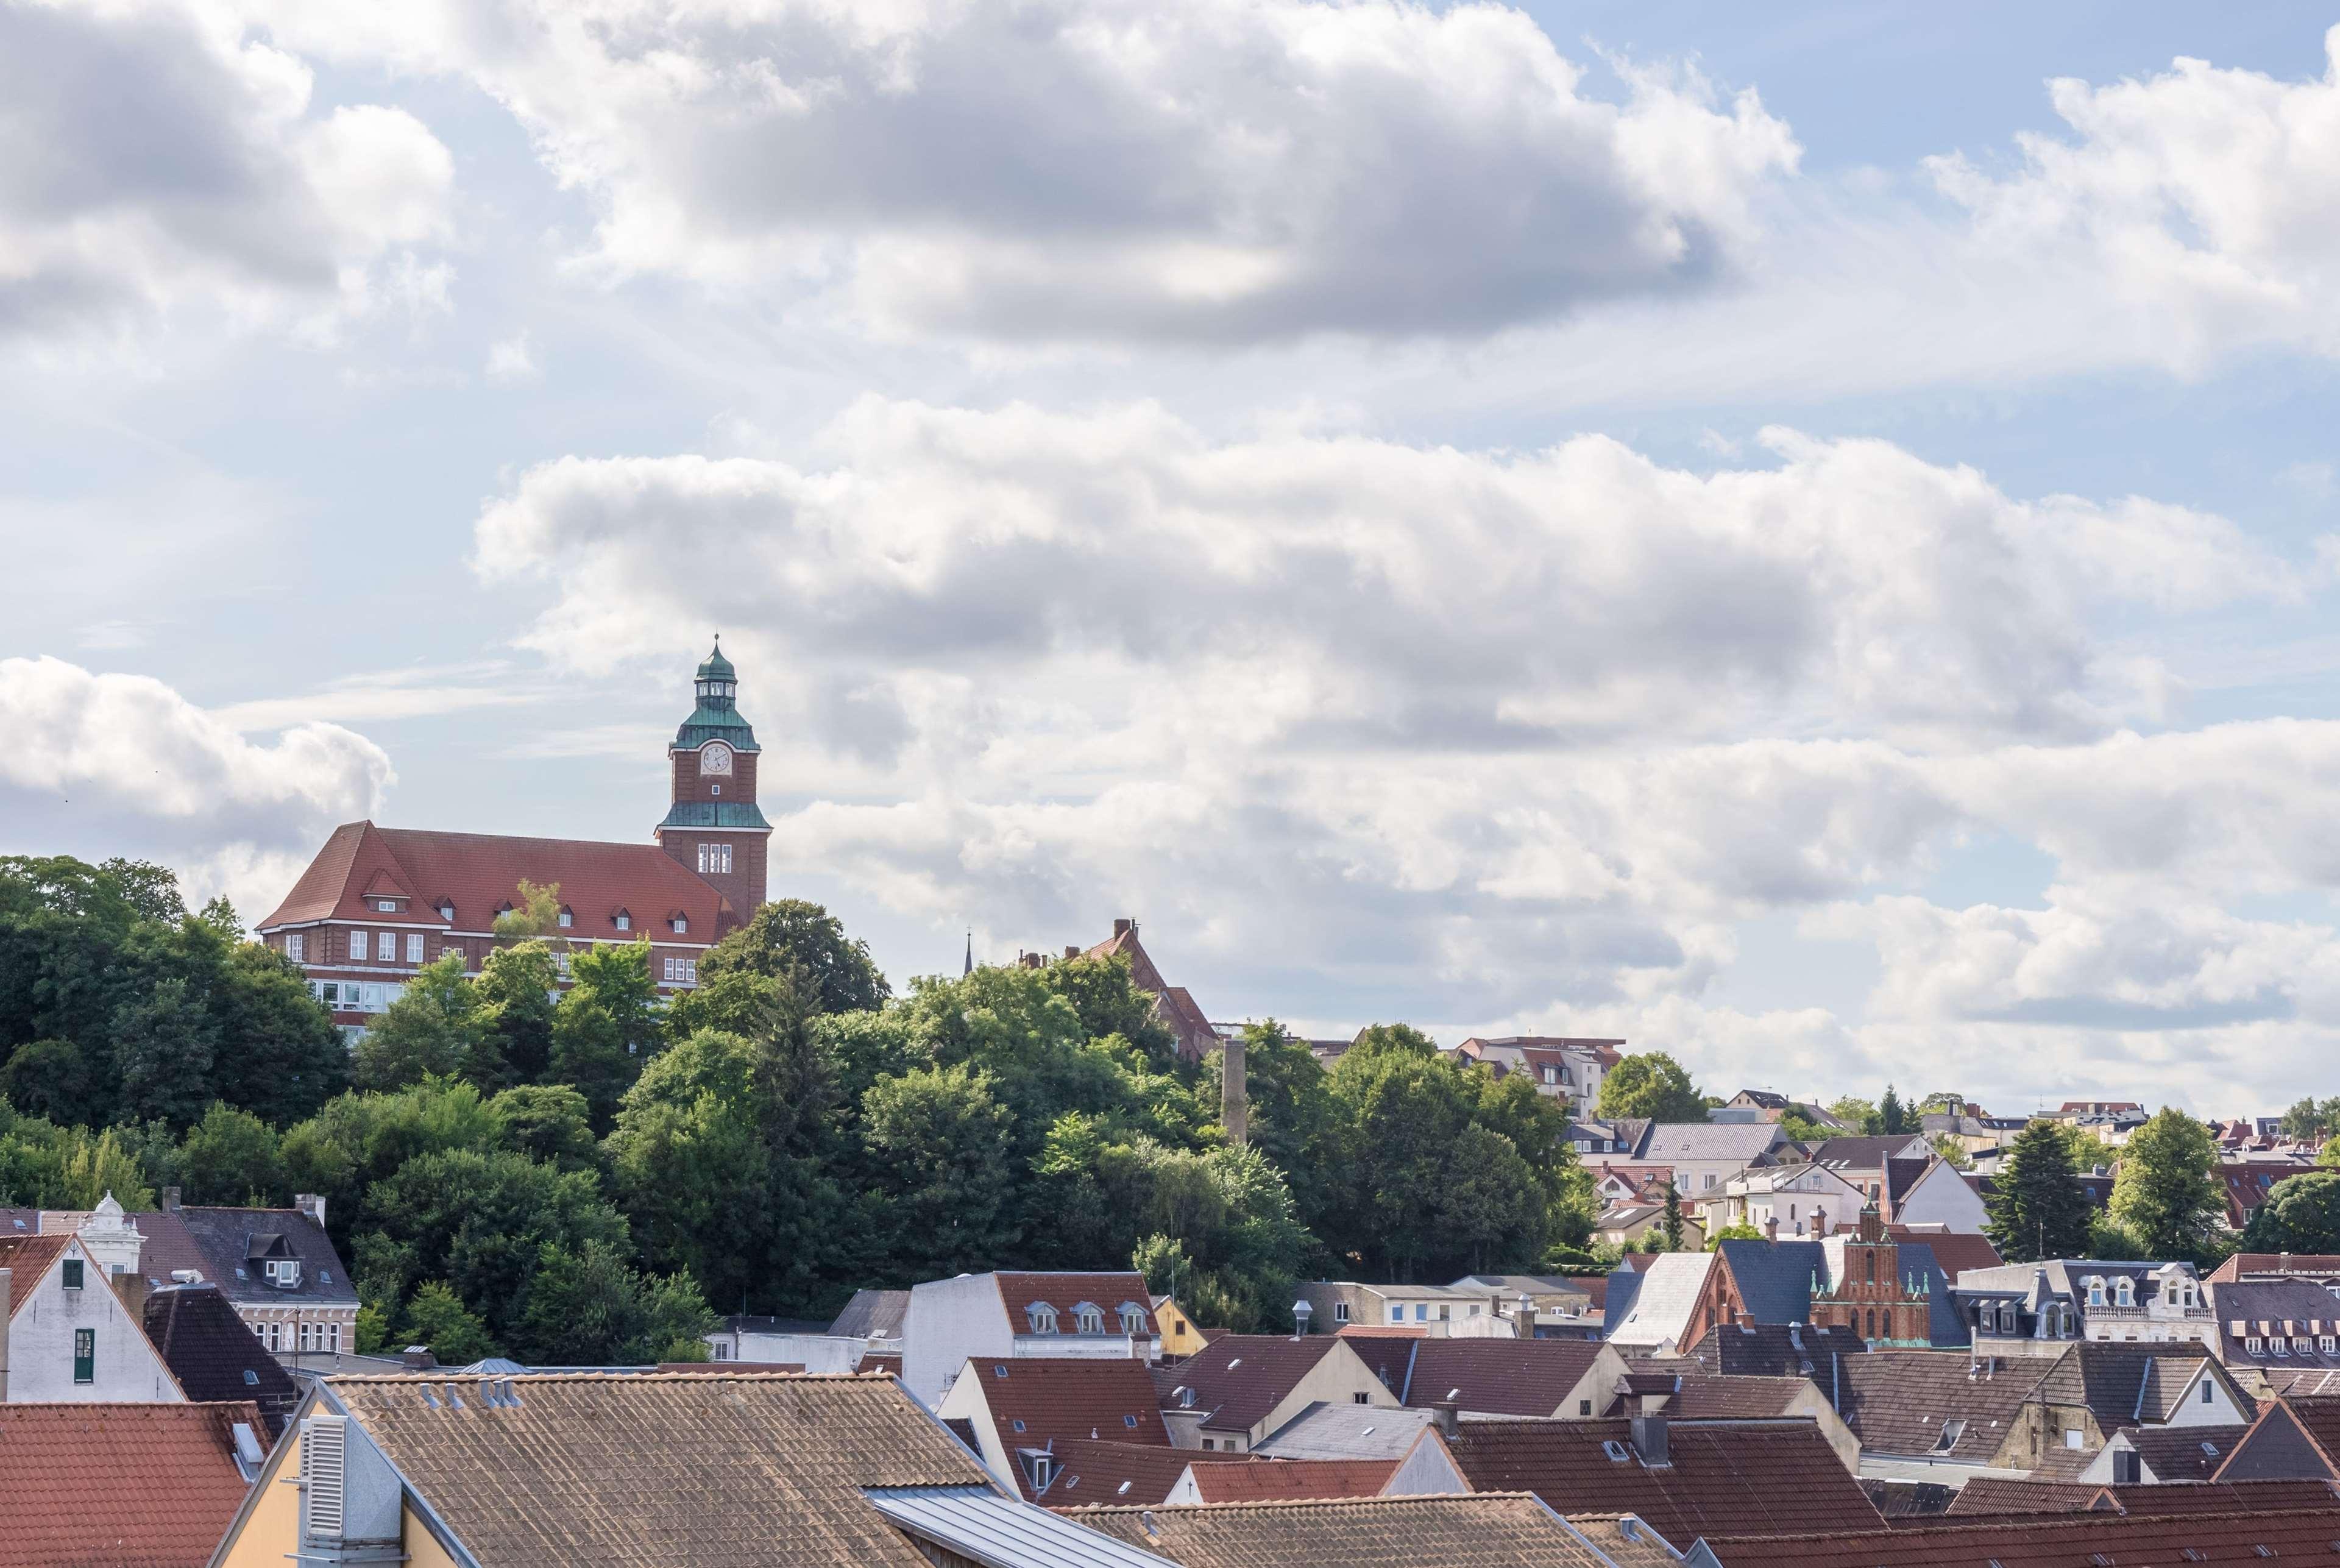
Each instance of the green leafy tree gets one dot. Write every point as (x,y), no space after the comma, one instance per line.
(432,1030)
(231,1157)
(514,996)
(2301,1213)
(2166,1189)
(535,916)
(933,1139)
(590,1308)
(56,1079)
(1108,1003)
(480,1221)
(356,1141)
(1802,1129)
(1739,1232)
(550,1123)
(801,940)
(2036,1208)
(374,1329)
(1862,1116)
(280,1056)
(1953,1151)
(164,1043)
(454,1333)
(604,1025)
(1651,1084)
(2312,1118)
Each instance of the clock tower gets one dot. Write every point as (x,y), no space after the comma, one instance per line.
(714,826)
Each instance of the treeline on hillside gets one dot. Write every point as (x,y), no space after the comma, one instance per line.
(580,1179)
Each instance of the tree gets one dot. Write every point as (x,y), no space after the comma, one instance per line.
(1891,1119)
(2167,1191)
(1953,1151)
(454,1333)
(1673,1220)
(433,1029)
(794,937)
(2301,1213)
(1739,1232)
(514,996)
(280,1056)
(587,1308)
(536,917)
(1802,1129)
(550,1123)
(604,1025)
(162,1045)
(231,1157)
(2038,1209)
(933,1139)
(2312,1118)
(1858,1114)
(54,1079)
(1651,1084)
(1107,1004)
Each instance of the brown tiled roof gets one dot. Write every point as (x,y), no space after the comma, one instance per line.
(1724,1398)
(1897,1401)
(30,1258)
(2224,1497)
(2124,1384)
(1953,1249)
(1178,1010)
(1480,1532)
(1493,1377)
(1241,1378)
(1996,1496)
(227,1238)
(2237,1265)
(1107,1292)
(2085,1541)
(1773,1350)
(118,1486)
(214,1354)
(2178,1453)
(1722,1475)
(481,872)
(1384,1331)
(1269,1479)
(592,1468)
(1595,1285)
(1037,1400)
(1092,1474)
(888,1363)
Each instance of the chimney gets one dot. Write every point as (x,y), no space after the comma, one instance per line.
(1448,1415)
(1071,951)
(1649,1438)
(418,1358)
(1123,927)
(170,1200)
(312,1203)
(1745,1319)
(7,1303)
(1771,1228)
(1234,1093)
(1301,1313)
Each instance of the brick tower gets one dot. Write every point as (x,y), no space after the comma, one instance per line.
(1870,1296)
(714,826)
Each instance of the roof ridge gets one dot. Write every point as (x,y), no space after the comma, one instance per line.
(1180,1508)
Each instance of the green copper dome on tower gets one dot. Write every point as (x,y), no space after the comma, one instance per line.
(717,717)
(716,667)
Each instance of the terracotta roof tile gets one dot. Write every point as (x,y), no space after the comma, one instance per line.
(1901,1402)
(1491,1376)
(1266,1480)
(1035,1400)
(1701,1398)
(1241,1378)
(1952,1250)
(2087,1541)
(750,1469)
(478,873)
(29,1258)
(1101,1473)
(1721,1475)
(1477,1531)
(118,1486)
(1109,1292)
(1626,1540)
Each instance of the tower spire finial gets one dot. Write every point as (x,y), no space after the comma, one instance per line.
(970,954)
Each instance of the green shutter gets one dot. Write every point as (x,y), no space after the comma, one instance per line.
(72,1273)
(85,1356)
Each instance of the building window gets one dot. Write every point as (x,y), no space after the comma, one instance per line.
(567,919)
(1042,1316)
(2096,1293)
(681,927)
(714,860)
(413,947)
(1340,1311)
(72,1273)
(1360,1397)
(1396,1313)
(293,945)
(2255,1346)
(386,947)
(1708,1183)
(358,946)
(2207,1396)
(2123,1292)
(333,1346)
(85,1356)
(624,922)
(1090,1319)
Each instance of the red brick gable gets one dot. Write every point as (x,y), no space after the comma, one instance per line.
(479,874)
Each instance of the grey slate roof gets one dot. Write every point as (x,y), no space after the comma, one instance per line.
(873,1315)
(1775,1280)
(1672,1142)
(234,1240)
(1328,1431)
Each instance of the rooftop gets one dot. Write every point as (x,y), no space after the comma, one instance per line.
(1499,1531)
(94,1485)
(2089,1541)
(1493,1377)
(214,1357)
(1238,1379)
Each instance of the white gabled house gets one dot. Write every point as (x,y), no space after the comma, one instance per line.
(70,1338)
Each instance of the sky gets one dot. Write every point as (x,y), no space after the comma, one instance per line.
(1804,537)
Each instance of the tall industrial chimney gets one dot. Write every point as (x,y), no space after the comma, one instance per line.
(1235,1094)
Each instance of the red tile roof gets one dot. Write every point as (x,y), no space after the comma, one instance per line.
(1722,1398)
(118,1486)
(480,873)
(1037,1400)
(1722,1475)
(1266,1480)
(1384,1331)
(30,1258)
(1109,1292)
(1953,1249)
(2237,1265)
(1177,1008)
(1097,1473)
(1491,1376)
(2085,1541)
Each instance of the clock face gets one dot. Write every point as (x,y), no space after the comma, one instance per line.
(715,758)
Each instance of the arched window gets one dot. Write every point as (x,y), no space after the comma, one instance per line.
(1872,1267)
(2123,1292)
(1872,1322)
(2096,1291)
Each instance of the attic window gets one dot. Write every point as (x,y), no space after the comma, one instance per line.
(623,921)
(2209,1451)
(998,1372)
(250,1378)
(1042,1316)
(446,910)
(1122,1490)
(1018,1426)
(1235,1362)
(1185,1399)
(567,917)
(1130,1422)
(1952,1432)
(1616,1450)
(1133,1318)
(1089,1316)
(680,924)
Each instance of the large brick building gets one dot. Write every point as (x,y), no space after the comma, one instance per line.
(377,903)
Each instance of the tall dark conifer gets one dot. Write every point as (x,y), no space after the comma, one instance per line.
(2038,1209)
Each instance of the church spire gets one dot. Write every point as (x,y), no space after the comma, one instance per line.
(970,956)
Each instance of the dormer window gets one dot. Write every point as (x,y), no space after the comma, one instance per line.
(283,1273)
(2123,1292)
(446,911)
(1089,1317)
(385,905)
(1133,1318)
(567,917)
(623,921)
(681,926)
(2096,1292)
(1041,1317)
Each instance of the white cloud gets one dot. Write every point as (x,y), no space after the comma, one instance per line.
(127,761)
(513,361)
(181,166)
(1223,170)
